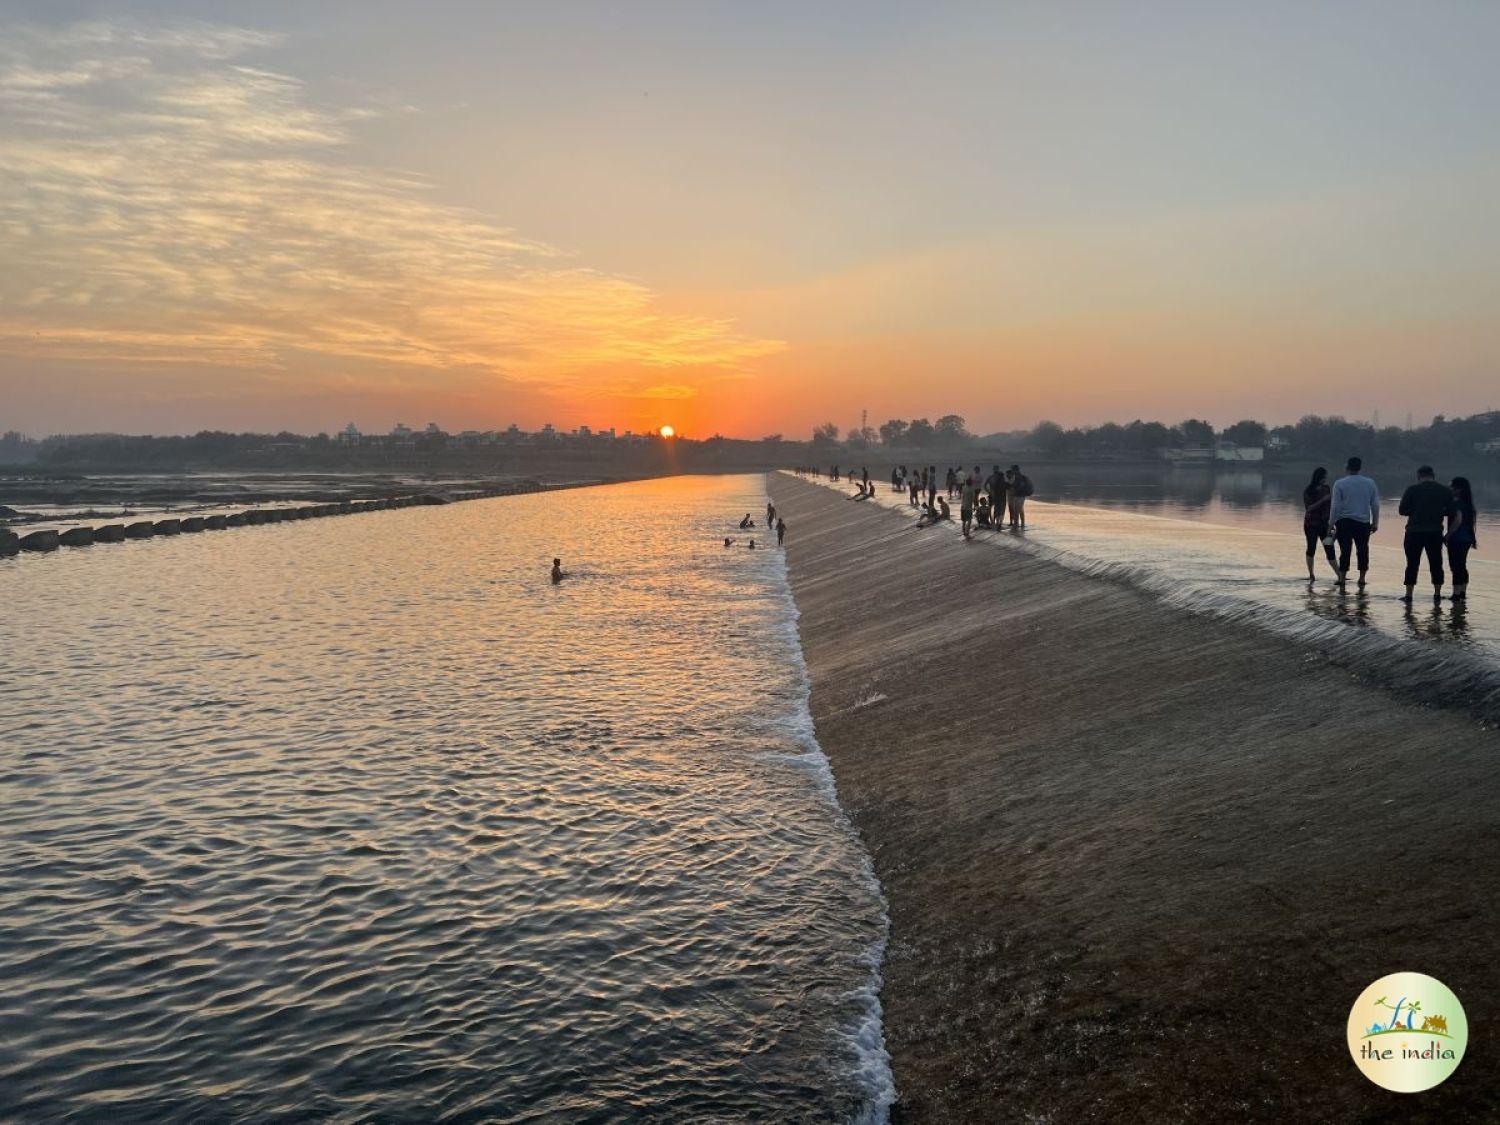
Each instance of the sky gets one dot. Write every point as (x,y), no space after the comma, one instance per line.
(744,218)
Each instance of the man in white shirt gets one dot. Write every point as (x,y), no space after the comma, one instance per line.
(1355,515)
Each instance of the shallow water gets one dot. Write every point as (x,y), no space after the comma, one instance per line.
(363,818)
(1240,557)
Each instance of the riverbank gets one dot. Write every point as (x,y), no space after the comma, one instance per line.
(1137,861)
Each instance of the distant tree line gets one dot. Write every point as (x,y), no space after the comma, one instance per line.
(1314,437)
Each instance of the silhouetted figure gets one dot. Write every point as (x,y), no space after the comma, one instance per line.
(1317,502)
(557,571)
(1427,505)
(1461,539)
(780,532)
(747,522)
(1020,489)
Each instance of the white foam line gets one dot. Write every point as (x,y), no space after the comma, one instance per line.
(1439,673)
(873,1073)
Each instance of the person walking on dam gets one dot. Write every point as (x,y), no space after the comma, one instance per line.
(1427,506)
(1354,512)
(1461,537)
(780,532)
(1317,502)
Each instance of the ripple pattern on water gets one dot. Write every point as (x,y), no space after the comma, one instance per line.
(366,819)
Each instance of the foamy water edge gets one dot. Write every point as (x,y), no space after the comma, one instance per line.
(1433,673)
(866,1037)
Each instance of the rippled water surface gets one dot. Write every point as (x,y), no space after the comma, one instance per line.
(1243,561)
(362,818)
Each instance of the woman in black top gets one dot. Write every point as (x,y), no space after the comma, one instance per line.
(1461,539)
(1317,502)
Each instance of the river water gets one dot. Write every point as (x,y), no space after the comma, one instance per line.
(1230,545)
(362,818)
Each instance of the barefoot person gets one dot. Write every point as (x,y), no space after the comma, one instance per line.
(1355,515)
(1427,505)
(1020,489)
(1461,537)
(1317,501)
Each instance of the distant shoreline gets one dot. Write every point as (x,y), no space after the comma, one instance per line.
(126,495)
(1126,847)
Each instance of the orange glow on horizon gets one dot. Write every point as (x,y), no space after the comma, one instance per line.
(668,431)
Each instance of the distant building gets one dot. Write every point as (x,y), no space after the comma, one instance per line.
(401,432)
(1192,454)
(349,435)
(1229,451)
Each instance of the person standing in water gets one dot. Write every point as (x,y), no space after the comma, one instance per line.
(1355,515)
(966,507)
(557,571)
(770,514)
(1317,501)
(996,486)
(1461,537)
(780,532)
(1426,506)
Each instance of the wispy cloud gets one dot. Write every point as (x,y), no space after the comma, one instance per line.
(164,201)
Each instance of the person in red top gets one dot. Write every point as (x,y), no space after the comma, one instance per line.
(1317,502)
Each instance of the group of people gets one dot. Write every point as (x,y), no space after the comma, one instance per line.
(995,501)
(774,522)
(1346,513)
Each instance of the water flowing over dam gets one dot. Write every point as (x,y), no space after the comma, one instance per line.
(1129,845)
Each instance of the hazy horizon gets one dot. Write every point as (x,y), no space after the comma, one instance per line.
(743,220)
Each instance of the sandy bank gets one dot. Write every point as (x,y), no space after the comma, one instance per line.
(1137,861)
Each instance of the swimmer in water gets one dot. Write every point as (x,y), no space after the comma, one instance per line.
(752,544)
(557,571)
(728,541)
(747,522)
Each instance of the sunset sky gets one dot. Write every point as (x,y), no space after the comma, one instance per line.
(747,218)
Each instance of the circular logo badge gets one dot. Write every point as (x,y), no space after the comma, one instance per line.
(1407,1032)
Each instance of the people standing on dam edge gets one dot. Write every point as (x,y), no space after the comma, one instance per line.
(780,532)
(1461,537)
(1354,512)
(1019,487)
(1317,502)
(1427,506)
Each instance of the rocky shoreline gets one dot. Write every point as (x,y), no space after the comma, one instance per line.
(53,539)
(1138,862)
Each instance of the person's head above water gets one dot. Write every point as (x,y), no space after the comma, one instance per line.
(557,562)
(1354,465)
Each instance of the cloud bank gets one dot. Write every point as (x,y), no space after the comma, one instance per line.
(165,202)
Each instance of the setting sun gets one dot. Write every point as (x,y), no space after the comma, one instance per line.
(668,431)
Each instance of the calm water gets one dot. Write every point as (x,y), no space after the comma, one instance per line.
(361,818)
